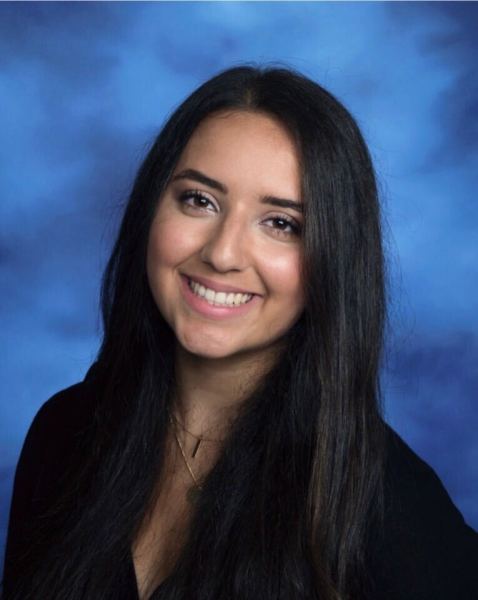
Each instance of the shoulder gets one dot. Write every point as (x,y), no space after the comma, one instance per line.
(72,404)
(53,439)
(59,422)
(414,490)
(424,549)
(52,448)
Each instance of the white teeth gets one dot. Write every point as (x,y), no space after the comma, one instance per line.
(218,298)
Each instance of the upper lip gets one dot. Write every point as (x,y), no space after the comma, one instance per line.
(218,287)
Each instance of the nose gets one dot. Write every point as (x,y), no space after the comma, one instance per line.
(225,246)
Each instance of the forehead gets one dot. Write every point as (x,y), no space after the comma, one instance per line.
(244,147)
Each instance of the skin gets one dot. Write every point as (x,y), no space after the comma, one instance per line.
(231,238)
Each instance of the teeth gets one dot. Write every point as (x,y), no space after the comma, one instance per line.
(218,298)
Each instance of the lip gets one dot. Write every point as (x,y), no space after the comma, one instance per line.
(219,287)
(218,313)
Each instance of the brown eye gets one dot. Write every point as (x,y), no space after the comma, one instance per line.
(195,199)
(285,226)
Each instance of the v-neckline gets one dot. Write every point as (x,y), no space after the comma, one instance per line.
(133,582)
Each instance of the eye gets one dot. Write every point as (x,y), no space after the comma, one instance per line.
(195,200)
(285,226)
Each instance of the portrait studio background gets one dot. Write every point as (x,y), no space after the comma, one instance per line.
(86,86)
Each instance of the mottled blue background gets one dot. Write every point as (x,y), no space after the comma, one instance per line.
(84,87)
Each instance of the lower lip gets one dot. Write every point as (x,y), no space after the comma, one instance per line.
(202,306)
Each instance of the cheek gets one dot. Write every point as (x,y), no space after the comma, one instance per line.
(284,279)
(167,246)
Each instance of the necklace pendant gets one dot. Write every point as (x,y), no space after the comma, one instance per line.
(193,494)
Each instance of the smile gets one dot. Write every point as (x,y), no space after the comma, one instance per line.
(214,298)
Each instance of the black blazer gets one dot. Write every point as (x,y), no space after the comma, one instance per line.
(425,552)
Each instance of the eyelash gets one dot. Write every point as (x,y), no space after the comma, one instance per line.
(197,195)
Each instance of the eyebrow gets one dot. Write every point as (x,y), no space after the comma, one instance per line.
(195,175)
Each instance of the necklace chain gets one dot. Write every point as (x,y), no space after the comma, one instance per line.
(184,454)
(200,437)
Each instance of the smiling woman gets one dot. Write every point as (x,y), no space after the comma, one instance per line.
(230,239)
(227,443)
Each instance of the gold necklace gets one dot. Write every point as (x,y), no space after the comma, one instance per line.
(199,439)
(193,492)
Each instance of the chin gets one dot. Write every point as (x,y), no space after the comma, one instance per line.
(208,352)
(206,347)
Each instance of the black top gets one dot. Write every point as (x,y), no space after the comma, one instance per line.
(426,551)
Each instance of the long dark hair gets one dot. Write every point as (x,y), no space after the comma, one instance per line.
(285,511)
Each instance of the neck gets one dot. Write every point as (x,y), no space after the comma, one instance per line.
(210,391)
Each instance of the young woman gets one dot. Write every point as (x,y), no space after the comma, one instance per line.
(227,443)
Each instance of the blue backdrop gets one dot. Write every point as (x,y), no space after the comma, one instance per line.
(84,87)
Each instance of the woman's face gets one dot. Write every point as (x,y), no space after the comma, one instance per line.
(224,248)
